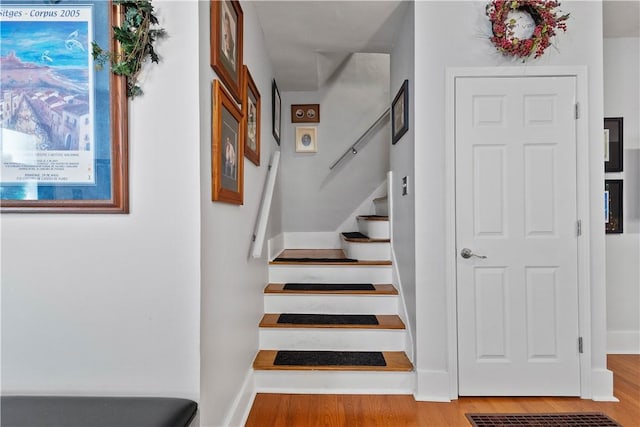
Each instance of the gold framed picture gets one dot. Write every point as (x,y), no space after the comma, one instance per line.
(251,111)
(306,139)
(226,29)
(227,148)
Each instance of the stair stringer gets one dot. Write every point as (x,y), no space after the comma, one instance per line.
(397,281)
(365,208)
(403,312)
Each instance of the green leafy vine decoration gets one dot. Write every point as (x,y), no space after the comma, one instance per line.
(136,36)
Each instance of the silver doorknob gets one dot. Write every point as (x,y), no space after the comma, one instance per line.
(468,253)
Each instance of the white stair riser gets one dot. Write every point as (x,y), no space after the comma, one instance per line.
(331,304)
(374,229)
(330,274)
(333,339)
(334,382)
(367,251)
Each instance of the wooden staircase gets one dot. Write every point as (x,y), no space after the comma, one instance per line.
(328,292)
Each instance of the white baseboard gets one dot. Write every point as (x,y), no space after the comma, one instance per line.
(432,386)
(276,246)
(623,342)
(241,406)
(602,385)
(312,240)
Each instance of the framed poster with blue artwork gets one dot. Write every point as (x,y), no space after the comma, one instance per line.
(64,125)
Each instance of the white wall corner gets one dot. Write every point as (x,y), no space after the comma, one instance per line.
(432,386)
(602,385)
(275,246)
(623,342)
(239,410)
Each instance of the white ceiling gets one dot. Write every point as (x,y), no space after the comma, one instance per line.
(307,40)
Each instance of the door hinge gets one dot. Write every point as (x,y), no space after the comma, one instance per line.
(577,106)
(253,238)
(580,345)
(579,227)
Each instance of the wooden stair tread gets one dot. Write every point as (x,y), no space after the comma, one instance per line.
(385,321)
(312,253)
(373,217)
(395,360)
(341,263)
(381,199)
(381,289)
(338,254)
(364,239)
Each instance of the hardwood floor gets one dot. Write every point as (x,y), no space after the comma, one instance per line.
(289,410)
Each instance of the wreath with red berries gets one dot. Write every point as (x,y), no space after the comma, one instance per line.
(522,28)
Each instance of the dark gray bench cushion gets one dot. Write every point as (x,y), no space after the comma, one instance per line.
(63,411)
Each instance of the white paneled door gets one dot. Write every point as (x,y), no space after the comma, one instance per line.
(516,236)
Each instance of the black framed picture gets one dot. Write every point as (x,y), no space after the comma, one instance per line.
(276,109)
(613,147)
(613,205)
(400,113)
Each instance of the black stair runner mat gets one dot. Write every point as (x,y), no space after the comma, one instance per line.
(330,358)
(328,319)
(329,287)
(355,235)
(581,419)
(316,260)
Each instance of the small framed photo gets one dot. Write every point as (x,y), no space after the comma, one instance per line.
(251,111)
(613,196)
(226,29)
(306,139)
(400,113)
(613,153)
(227,148)
(276,109)
(305,113)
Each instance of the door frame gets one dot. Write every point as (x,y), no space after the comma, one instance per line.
(582,177)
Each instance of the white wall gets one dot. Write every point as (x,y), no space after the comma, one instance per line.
(232,283)
(317,199)
(401,159)
(467,45)
(109,304)
(622,99)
